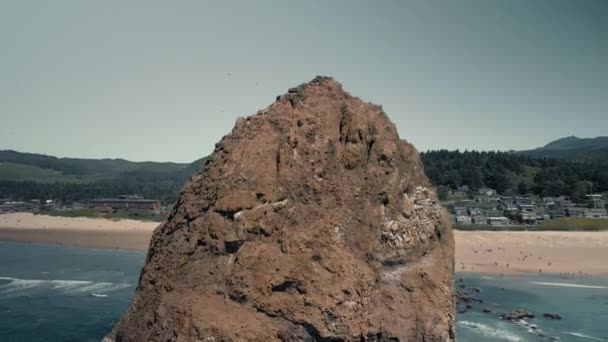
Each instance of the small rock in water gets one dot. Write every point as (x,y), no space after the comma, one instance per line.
(552,316)
(517,315)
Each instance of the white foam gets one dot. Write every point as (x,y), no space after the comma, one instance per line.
(585,336)
(99,295)
(569,285)
(488,331)
(65,286)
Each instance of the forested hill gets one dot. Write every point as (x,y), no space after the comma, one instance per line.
(573,148)
(516,173)
(25,176)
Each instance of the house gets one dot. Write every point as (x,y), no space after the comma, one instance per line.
(460,211)
(16,207)
(564,202)
(498,221)
(479,219)
(510,213)
(487,192)
(525,207)
(507,199)
(596,213)
(493,212)
(556,213)
(463,190)
(126,202)
(463,219)
(474,211)
(487,199)
(576,211)
(549,201)
(527,217)
(519,200)
(596,201)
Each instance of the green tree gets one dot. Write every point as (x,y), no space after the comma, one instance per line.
(443,192)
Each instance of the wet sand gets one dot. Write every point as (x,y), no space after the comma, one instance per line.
(572,254)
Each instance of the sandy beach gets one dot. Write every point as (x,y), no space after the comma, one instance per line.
(569,253)
(79,231)
(572,254)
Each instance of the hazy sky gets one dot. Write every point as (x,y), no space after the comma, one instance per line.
(165,80)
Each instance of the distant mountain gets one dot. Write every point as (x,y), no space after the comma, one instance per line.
(28,175)
(38,167)
(573,148)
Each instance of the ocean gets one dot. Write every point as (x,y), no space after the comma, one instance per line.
(58,293)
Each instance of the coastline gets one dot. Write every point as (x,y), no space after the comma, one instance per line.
(572,254)
(78,231)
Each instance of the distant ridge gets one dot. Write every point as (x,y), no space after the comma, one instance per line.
(573,148)
(31,175)
(573,142)
(84,169)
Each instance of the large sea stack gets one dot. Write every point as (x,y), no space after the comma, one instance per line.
(311,221)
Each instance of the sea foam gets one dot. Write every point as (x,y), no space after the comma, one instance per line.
(99,295)
(75,287)
(585,336)
(490,332)
(569,285)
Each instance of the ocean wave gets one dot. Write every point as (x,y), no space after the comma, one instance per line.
(569,285)
(488,331)
(70,287)
(585,336)
(99,295)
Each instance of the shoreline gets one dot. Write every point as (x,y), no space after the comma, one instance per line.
(79,231)
(571,253)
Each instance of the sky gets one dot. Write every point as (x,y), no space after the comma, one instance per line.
(165,80)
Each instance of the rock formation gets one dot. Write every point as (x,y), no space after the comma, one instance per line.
(311,221)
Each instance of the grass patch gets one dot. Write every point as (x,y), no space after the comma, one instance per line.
(574,224)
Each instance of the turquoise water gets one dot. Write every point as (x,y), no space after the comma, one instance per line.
(57,293)
(582,303)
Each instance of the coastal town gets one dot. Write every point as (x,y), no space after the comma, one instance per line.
(124,206)
(486,207)
(469,209)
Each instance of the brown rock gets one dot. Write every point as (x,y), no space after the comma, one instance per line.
(310,221)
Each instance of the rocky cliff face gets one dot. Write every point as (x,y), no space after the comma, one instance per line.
(311,221)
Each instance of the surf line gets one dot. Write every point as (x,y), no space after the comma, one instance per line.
(569,285)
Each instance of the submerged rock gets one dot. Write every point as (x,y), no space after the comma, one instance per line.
(517,315)
(552,316)
(311,221)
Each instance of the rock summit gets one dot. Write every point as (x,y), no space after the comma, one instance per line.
(311,221)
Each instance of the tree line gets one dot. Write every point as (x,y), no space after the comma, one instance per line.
(512,173)
(162,186)
(507,173)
